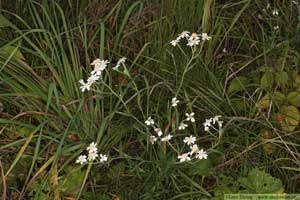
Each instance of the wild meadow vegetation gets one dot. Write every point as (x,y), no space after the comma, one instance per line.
(160,99)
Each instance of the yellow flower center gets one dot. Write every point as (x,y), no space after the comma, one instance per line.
(194,35)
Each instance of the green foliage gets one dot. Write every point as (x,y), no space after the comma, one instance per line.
(288,118)
(237,84)
(200,168)
(226,185)
(256,182)
(294,98)
(281,78)
(46,121)
(71,182)
(267,80)
(259,182)
(11,51)
(40,189)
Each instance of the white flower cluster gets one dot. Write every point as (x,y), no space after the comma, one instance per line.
(192,39)
(275,12)
(212,121)
(92,155)
(99,67)
(194,151)
(158,131)
(296,3)
(150,122)
(189,117)
(174,101)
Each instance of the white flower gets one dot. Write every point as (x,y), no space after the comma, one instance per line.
(166,138)
(183,34)
(193,40)
(120,61)
(207,122)
(81,159)
(194,149)
(103,158)
(93,78)
(158,131)
(216,119)
(84,86)
(220,124)
(184,157)
(295,2)
(92,148)
(201,154)
(190,117)
(189,140)
(206,128)
(276,28)
(204,36)
(149,121)
(174,42)
(174,102)
(224,50)
(153,139)
(92,155)
(193,43)
(99,66)
(275,12)
(182,126)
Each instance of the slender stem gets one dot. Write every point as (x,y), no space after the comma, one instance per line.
(186,70)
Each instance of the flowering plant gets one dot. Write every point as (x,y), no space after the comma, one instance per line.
(166,137)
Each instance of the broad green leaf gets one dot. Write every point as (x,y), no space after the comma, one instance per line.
(237,84)
(281,78)
(267,80)
(294,98)
(264,103)
(288,118)
(278,98)
(259,182)
(72,181)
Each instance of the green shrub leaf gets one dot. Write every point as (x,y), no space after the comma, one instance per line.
(259,182)
(237,84)
(267,80)
(281,78)
(288,118)
(294,98)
